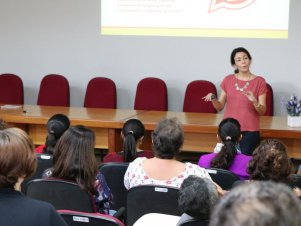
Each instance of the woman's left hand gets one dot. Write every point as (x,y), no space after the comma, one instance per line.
(250,95)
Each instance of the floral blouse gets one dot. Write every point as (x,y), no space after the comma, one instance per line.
(135,175)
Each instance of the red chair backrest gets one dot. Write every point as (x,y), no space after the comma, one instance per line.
(11,89)
(77,218)
(193,101)
(54,91)
(269,101)
(100,93)
(151,94)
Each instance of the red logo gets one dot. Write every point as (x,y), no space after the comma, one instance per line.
(229,4)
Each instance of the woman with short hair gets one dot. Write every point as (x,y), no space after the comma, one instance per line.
(17,162)
(163,169)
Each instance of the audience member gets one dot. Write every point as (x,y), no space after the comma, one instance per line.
(74,160)
(228,157)
(56,126)
(263,203)
(3,125)
(163,169)
(17,162)
(271,162)
(299,169)
(197,198)
(132,135)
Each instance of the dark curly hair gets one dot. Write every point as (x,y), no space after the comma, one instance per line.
(270,162)
(229,133)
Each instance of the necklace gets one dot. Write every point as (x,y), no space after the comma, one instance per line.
(244,87)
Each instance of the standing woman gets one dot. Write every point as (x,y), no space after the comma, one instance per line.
(245,95)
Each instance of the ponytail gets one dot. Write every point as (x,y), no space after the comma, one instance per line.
(129,147)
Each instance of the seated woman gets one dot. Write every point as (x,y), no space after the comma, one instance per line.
(3,125)
(271,162)
(74,160)
(263,203)
(17,162)
(163,169)
(228,158)
(299,170)
(56,126)
(132,134)
(197,198)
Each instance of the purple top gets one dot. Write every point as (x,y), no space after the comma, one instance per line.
(239,165)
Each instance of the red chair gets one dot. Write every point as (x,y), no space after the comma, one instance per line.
(193,101)
(75,218)
(151,94)
(269,101)
(11,89)
(100,93)
(54,91)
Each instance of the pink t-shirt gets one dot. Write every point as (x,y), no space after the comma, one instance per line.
(238,105)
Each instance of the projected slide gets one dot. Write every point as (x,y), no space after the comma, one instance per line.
(199,18)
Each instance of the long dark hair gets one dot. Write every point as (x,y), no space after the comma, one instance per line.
(132,131)
(229,133)
(56,126)
(74,157)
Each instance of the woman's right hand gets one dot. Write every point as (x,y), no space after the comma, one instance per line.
(207,97)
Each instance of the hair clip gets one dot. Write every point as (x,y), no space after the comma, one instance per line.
(131,132)
(228,138)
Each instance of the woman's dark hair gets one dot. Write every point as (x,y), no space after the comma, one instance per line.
(234,52)
(132,131)
(229,133)
(56,126)
(168,138)
(74,157)
(270,162)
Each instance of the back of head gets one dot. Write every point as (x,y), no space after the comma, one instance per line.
(17,157)
(133,130)
(270,162)
(56,126)
(74,157)
(229,134)
(197,196)
(3,125)
(168,138)
(263,203)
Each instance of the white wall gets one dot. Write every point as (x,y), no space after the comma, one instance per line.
(39,37)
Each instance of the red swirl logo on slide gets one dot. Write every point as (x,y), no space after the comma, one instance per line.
(229,4)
